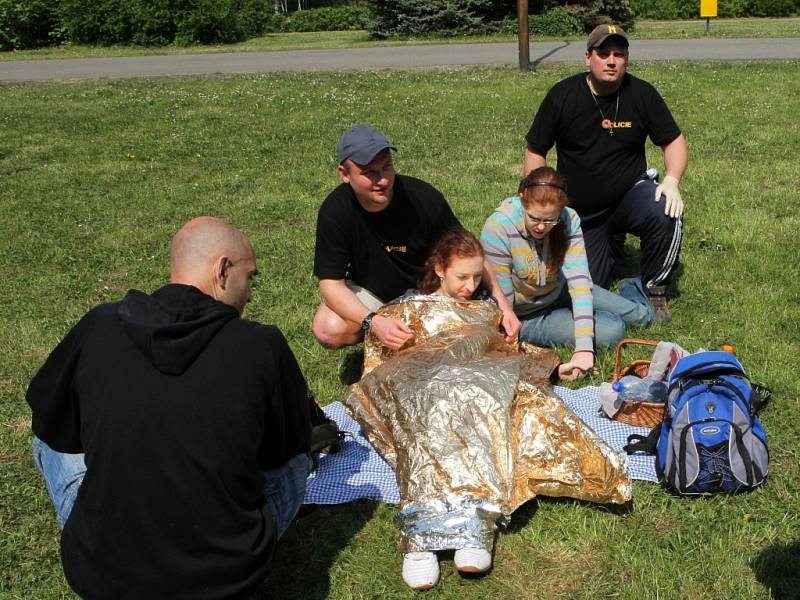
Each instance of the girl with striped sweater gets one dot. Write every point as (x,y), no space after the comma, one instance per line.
(535,245)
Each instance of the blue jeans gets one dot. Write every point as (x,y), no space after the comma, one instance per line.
(613,313)
(284,487)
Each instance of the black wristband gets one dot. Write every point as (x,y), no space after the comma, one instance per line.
(367,322)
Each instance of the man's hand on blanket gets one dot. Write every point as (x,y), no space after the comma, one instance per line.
(391,332)
(580,364)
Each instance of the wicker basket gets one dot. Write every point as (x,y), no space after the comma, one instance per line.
(638,414)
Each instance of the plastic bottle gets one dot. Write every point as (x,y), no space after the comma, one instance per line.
(633,389)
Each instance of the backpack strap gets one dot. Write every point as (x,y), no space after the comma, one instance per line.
(759,397)
(643,443)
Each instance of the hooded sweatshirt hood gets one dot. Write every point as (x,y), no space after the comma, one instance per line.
(172,326)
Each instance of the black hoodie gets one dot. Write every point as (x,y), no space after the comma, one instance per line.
(179,405)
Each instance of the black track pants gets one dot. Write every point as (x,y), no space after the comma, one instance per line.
(639,214)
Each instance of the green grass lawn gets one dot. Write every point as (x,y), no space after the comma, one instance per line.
(97,176)
(645,30)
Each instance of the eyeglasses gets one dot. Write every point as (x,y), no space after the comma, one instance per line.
(535,221)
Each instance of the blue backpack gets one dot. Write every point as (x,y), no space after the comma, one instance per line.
(711,439)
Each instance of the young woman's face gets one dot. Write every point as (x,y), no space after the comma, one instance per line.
(461,277)
(541,218)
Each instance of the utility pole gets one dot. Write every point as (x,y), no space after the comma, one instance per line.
(524,46)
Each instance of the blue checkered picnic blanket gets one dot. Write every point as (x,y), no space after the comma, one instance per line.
(357,471)
(583,402)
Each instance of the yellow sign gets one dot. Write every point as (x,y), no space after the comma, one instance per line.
(708,8)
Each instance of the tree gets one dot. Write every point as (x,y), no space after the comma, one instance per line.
(428,17)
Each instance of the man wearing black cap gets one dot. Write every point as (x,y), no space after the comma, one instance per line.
(374,232)
(599,122)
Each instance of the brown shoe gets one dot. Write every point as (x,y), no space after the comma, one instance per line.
(658,298)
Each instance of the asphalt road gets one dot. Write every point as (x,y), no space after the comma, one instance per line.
(384,57)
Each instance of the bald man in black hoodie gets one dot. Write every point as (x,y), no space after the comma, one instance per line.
(193,425)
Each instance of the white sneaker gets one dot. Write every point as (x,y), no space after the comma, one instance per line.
(420,570)
(473,560)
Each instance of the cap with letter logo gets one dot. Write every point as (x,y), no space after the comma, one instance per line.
(602,32)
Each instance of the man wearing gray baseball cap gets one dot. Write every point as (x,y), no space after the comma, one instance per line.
(599,121)
(374,232)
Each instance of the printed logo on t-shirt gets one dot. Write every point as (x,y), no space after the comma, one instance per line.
(621,124)
(390,249)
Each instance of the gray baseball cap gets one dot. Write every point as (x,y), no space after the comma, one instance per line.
(602,32)
(360,144)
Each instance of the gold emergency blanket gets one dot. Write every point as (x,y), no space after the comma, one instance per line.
(472,426)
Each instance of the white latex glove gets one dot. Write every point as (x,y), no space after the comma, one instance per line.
(674,203)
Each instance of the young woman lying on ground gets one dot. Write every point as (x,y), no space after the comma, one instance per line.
(469,423)
(453,269)
(535,244)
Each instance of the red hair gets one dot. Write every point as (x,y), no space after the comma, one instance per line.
(452,244)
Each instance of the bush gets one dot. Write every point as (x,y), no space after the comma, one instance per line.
(666,9)
(773,8)
(344,18)
(257,18)
(501,10)
(556,21)
(574,19)
(606,11)
(209,22)
(28,24)
(275,23)
(161,22)
(690,9)
(408,18)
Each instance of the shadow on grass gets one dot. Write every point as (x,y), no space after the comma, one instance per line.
(303,559)
(778,569)
(614,509)
(351,366)
(521,516)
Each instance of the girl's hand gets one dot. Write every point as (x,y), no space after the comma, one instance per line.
(578,366)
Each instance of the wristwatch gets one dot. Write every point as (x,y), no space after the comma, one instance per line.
(365,324)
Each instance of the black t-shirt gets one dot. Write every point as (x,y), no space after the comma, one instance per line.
(179,405)
(385,251)
(600,167)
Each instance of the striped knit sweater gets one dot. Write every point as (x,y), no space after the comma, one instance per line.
(517,262)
